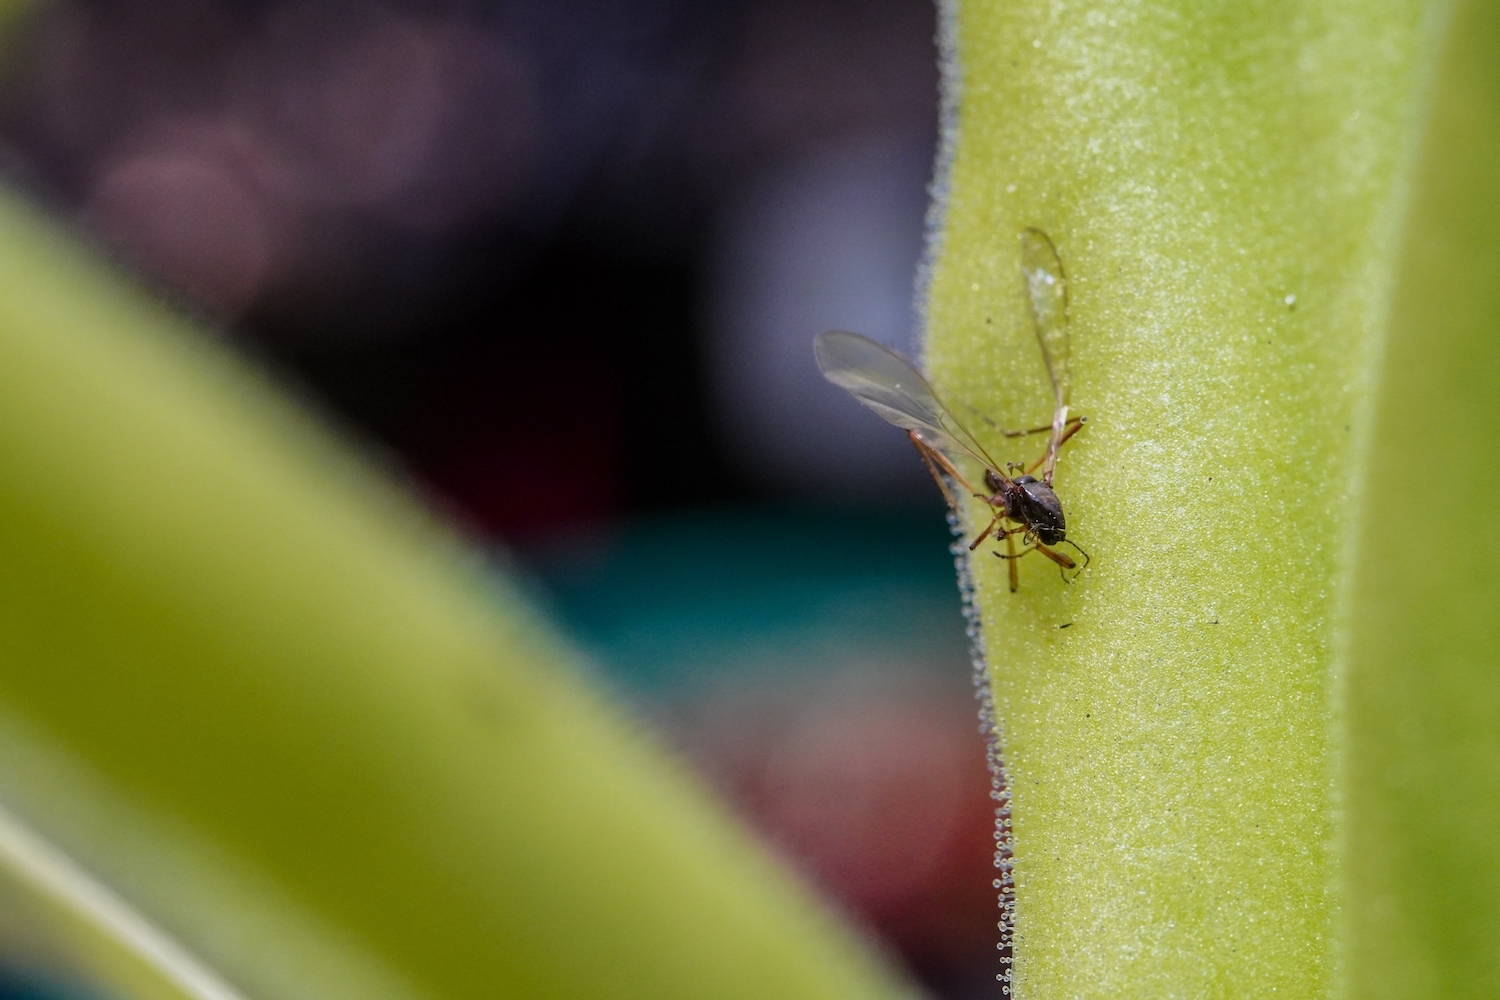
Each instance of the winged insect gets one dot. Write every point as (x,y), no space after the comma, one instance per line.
(1020,503)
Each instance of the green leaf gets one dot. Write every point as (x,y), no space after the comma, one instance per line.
(255,705)
(1422,684)
(1254,749)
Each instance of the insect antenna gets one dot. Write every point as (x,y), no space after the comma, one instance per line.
(1081,566)
(1076,548)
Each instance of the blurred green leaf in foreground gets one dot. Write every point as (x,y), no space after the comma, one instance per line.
(265,731)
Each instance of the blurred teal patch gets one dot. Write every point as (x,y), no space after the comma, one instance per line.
(16,986)
(675,602)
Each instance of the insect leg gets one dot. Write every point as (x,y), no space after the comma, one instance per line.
(994,521)
(928,456)
(1049,457)
(1010,554)
(934,457)
(1063,560)
(937,476)
(1015,434)
(1075,425)
(1007,432)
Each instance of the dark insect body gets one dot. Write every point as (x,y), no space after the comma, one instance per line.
(890,385)
(1031,502)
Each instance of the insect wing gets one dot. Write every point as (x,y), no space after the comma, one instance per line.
(1047,293)
(888,384)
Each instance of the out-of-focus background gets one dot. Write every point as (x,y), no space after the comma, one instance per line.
(560,263)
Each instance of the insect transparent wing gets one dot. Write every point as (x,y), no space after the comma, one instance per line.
(888,384)
(1047,292)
